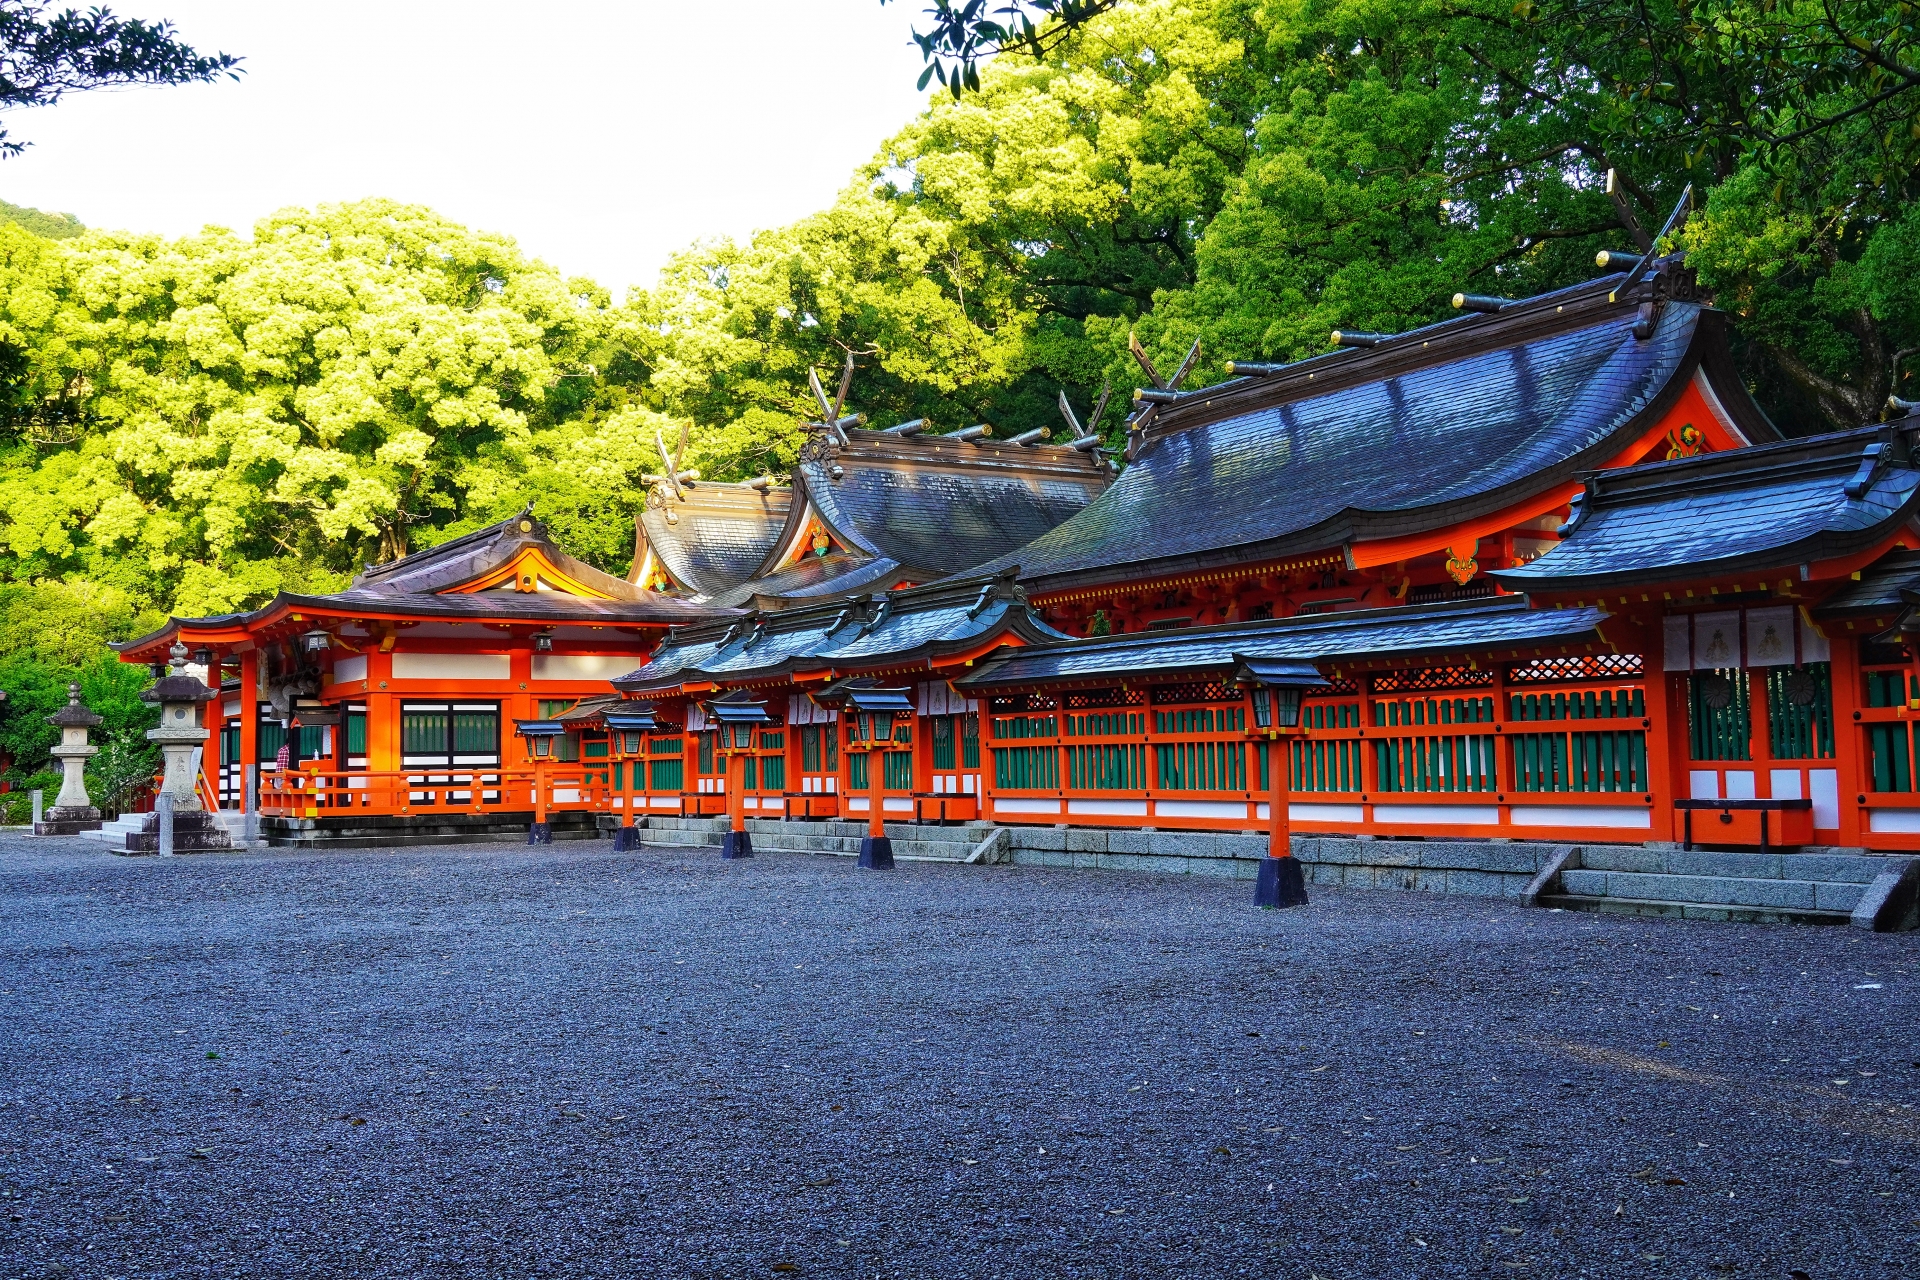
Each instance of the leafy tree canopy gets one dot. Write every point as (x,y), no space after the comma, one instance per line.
(46,53)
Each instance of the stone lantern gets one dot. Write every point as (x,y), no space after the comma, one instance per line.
(180,696)
(73,811)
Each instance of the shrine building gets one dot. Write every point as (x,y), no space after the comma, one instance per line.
(1563,578)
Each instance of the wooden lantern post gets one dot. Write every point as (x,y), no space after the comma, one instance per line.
(878,709)
(539,735)
(734,717)
(634,719)
(1275,686)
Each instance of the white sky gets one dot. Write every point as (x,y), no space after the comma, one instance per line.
(602,136)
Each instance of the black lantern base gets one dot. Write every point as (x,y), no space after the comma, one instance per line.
(876,853)
(626,839)
(540,833)
(1282,883)
(736,844)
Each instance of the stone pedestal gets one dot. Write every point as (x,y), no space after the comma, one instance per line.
(194,829)
(73,810)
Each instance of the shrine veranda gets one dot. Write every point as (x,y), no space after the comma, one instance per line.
(1564,580)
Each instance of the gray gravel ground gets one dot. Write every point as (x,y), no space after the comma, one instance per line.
(505,1062)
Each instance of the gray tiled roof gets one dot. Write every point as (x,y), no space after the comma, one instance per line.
(811,579)
(1748,510)
(1421,630)
(532,606)
(937,506)
(721,534)
(847,636)
(1502,407)
(1888,584)
(460,560)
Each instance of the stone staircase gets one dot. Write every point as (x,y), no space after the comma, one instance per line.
(114,834)
(836,839)
(1808,887)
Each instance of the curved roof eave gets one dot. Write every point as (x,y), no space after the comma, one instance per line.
(1686,339)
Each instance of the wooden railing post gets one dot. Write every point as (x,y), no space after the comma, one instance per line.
(737,843)
(541,832)
(876,850)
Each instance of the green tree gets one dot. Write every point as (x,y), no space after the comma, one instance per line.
(46,53)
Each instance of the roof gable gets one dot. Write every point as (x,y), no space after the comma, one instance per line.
(516,553)
(709,538)
(934,505)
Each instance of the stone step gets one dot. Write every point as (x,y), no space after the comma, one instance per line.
(1823,867)
(797,838)
(1692,910)
(1721,891)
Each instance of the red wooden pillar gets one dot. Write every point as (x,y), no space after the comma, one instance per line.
(737,843)
(213,762)
(249,725)
(1849,739)
(876,788)
(1282,881)
(1664,770)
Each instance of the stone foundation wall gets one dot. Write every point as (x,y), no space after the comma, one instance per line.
(1477,868)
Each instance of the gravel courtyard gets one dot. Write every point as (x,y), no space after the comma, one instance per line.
(504,1062)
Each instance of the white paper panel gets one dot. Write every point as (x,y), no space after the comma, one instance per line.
(452,666)
(1785,784)
(1678,650)
(1739,784)
(1716,640)
(1578,815)
(584,666)
(1770,637)
(1437,815)
(1703,784)
(1825,785)
(354,668)
(1813,645)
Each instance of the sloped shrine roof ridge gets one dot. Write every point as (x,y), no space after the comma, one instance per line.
(459,561)
(1409,631)
(877,632)
(1795,502)
(719,536)
(1412,435)
(932,504)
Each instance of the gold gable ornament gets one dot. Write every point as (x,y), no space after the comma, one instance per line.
(1461,565)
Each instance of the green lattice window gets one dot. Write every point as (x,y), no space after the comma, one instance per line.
(1800,712)
(1016,727)
(1114,766)
(1324,766)
(1201,720)
(1602,760)
(1719,715)
(1026,768)
(1457,763)
(1201,766)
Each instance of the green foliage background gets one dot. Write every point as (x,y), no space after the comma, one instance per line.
(191,425)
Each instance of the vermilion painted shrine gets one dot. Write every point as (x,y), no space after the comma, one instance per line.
(1562,576)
